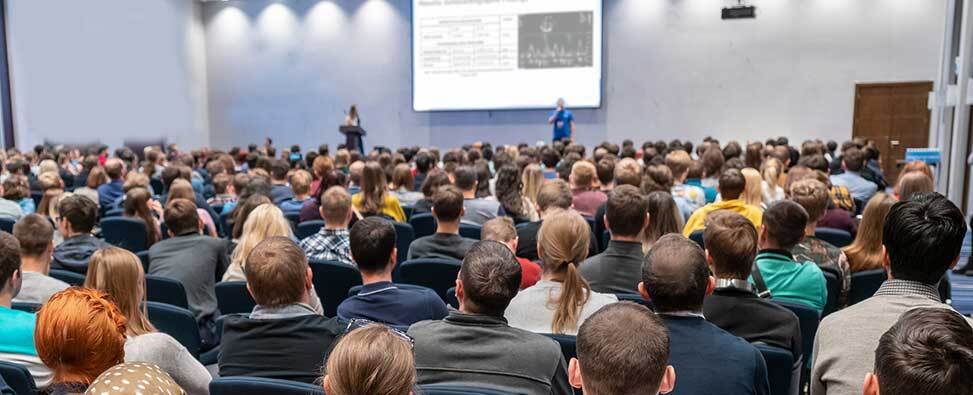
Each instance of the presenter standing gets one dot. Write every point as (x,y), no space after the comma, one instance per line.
(563,121)
(352,119)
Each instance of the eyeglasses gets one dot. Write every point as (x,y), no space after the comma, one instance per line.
(361,322)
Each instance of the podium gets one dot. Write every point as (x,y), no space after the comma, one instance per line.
(353,138)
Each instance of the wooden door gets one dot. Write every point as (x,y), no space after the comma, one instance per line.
(895,116)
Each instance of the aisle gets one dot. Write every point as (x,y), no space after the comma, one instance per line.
(963,285)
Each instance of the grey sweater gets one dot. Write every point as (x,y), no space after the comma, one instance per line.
(164,351)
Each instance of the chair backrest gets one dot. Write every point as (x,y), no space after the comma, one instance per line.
(357,289)
(144,258)
(157,185)
(232,297)
(568,343)
(36,196)
(165,290)
(7,224)
(27,307)
(836,237)
(18,378)
(833,282)
(423,224)
(636,298)
(697,236)
(809,319)
(408,211)
(294,218)
(241,385)
(780,369)
(332,280)
(438,274)
(71,278)
(865,283)
(125,232)
(113,213)
(451,298)
(465,389)
(471,231)
(307,228)
(176,322)
(404,236)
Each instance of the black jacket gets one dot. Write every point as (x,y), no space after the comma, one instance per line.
(754,319)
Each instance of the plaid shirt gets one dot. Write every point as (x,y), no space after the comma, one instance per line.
(329,245)
(841,198)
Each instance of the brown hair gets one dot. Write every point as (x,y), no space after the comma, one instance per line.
(137,205)
(434,179)
(221,182)
(628,172)
(402,177)
(181,189)
(79,211)
(53,187)
(181,217)
(916,165)
(322,165)
(912,183)
(371,360)
(447,203)
(15,187)
(583,175)
(276,272)
(754,155)
(731,184)
(813,195)
(785,221)
(135,180)
(335,203)
(679,162)
(554,193)
(853,159)
(731,240)
(34,233)
(626,211)
(490,276)
(374,188)
(664,218)
(300,181)
(866,251)
(80,333)
(712,160)
(119,273)
(562,244)
(97,177)
(499,229)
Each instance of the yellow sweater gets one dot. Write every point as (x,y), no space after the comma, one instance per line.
(391,208)
(695,221)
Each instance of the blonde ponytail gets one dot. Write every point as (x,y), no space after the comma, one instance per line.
(563,240)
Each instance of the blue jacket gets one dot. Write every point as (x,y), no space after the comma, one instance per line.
(709,360)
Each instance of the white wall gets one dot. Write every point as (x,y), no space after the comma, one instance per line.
(107,70)
(673,68)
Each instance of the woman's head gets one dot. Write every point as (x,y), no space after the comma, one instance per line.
(80,333)
(16,187)
(402,177)
(508,188)
(916,166)
(753,191)
(181,189)
(97,177)
(435,179)
(353,363)
(136,204)
(119,273)
(264,221)
(866,251)
(533,178)
(664,218)
(374,188)
(242,212)
(912,183)
(712,160)
(562,244)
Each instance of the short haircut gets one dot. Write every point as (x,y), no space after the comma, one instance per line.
(813,195)
(606,171)
(732,183)
(300,182)
(335,204)
(221,182)
(181,217)
(372,240)
(679,162)
(114,168)
(854,159)
(923,237)
(500,229)
(785,221)
(628,172)
(9,257)
(583,174)
(34,233)
(731,240)
(240,182)
(929,350)
(278,169)
(554,193)
(626,211)
(170,174)
(80,212)
(491,278)
(447,203)
(623,365)
(465,177)
(276,270)
(675,274)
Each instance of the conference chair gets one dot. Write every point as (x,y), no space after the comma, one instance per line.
(470,231)
(423,224)
(780,369)
(18,378)
(697,236)
(833,281)
(808,319)
(408,211)
(177,322)
(451,298)
(859,206)
(69,277)
(521,225)
(437,274)
(127,233)
(865,283)
(836,237)
(144,257)
(332,280)
(113,213)
(165,290)
(569,348)
(7,224)
(404,236)
(635,298)
(307,228)
(36,196)
(465,389)
(233,297)
(294,219)
(242,385)
(357,289)
(27,307)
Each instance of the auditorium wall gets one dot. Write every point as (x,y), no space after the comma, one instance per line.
(107,70)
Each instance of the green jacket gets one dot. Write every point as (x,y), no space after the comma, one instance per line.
(790,281)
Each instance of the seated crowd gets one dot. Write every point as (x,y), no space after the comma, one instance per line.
(673,270)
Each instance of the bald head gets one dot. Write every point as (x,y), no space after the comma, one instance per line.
(674,274)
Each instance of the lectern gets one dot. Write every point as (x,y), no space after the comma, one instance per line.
(353,137)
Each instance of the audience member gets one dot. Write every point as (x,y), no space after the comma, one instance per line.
(501,229)
(709,360)
(182,189)
(435,179)
(753,189)
(772,171)
(562,300)
(775,270)
(78,216)
(132,378)
(225,190)
(447,208)
(586,198)
(79,335)
(403,185)
(110,192)
(813,196)
(476,211)
(17,327)
(374,198)
(618,268)
(242,212)
(928,350)
(510,194)
(119,274)
(734,306)
(912,183)
(609,364)
(866,251)
(9,208)
(139,204)
(922,239)
(373,248)
(360,353)
(16,188)
(475,345)
(35,235)
(852,162)
(283,337)
(331,242)
(554,196)
(731,186)
(300,183)
(664,218)
(280,190)
(693,197)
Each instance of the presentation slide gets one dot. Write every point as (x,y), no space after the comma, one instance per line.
(505,54)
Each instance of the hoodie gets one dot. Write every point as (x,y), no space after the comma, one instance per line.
(74,252)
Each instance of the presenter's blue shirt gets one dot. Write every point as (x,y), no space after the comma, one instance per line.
(562,123)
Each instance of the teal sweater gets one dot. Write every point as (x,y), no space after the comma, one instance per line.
(790,281)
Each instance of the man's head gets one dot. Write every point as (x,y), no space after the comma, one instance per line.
(783,225)
(78,215)
(355,171)
(464,177)
(488,279)
(11,277)
(35,235)
(300,182)
(181,217)
(626,212)
(675,276)
(853,159)
(500,229)
(609,364)
(628,171)
(373,245)
(447,204)
(922,237)
(115,168)
(278,171)
(929,350)
(554,194)
(583,175)
(679,162)
(277,273)
(731,244)
(731,184)
(813,195)
(336,207)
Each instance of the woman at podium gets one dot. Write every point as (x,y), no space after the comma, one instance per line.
(352,119)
